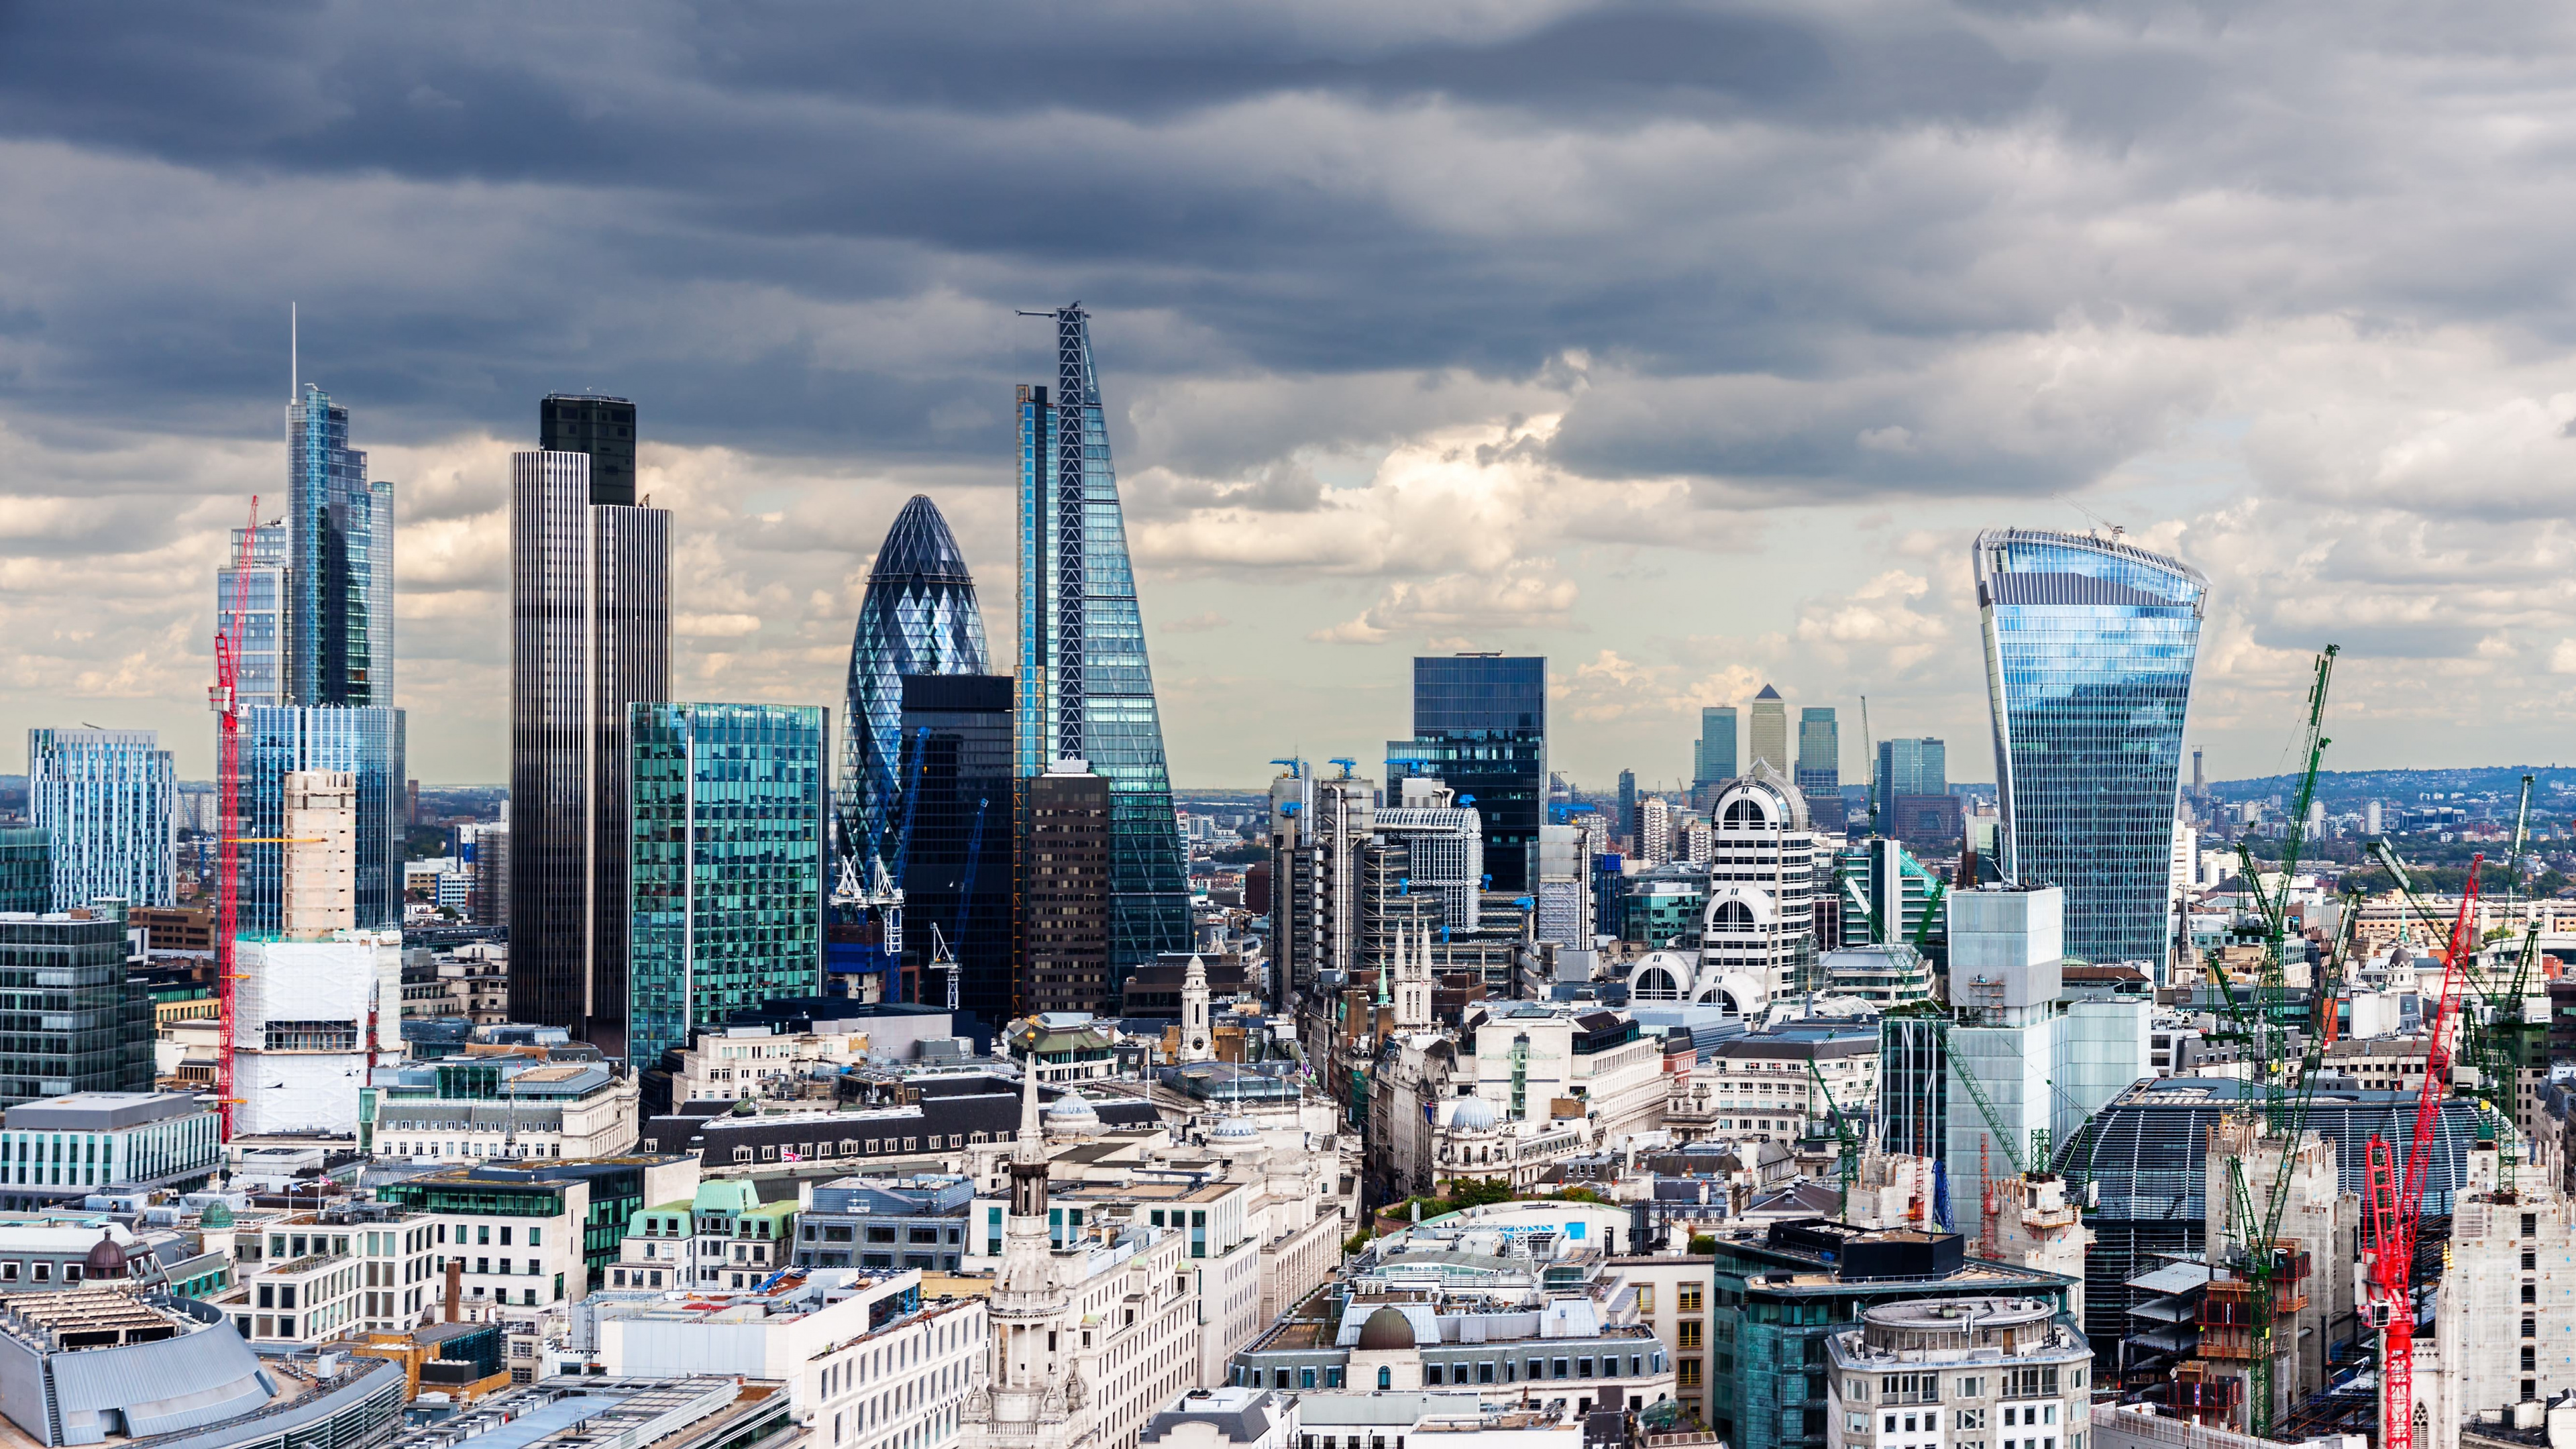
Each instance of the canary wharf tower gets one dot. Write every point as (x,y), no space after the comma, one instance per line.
(1085,690)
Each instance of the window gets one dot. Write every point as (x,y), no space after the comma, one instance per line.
(1685,1372)
(1689,1336)
(1686,1298)
(1645,1298)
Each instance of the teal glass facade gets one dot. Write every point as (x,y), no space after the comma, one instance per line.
(1085,689)
(726,864)
(918,616)
(26,869)
(2089,646)
(103,799)
(73,1023)
(1480,727)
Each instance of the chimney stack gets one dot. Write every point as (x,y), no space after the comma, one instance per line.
(455,1286)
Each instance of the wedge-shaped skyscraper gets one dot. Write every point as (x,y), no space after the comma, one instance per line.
(2090,644)
(917,617)
(1085,690)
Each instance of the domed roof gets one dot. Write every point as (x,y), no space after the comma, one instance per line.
(106,1259)
(919,546)
(1070,1115)
(1235,1130)
(1474,1114)
(1387,1328)
(216,1215)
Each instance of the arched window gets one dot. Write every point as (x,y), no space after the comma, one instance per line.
(1385,1377)
(1732,916)
(1746,813)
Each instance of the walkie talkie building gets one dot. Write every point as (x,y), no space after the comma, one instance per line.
(1085,690)
(2090,644)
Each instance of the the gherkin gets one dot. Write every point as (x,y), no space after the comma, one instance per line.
(918,617)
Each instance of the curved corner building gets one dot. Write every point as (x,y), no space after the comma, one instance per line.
(2089,650)
(1085,690)
(917,617)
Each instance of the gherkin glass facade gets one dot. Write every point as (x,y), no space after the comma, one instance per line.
(1085,689)
(2089,646)
(727,847)
(918,616)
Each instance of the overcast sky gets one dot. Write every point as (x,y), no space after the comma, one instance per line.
(1686,345)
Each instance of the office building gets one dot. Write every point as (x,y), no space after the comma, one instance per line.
(1788,1288)
(1820,753)
(318,885)
(26,869)
(2089,648)
(918,617)
(566,1216)
(957,874)
(1885,894)
(1655,830)
(63,1149)
(590,634)
(251,592)
(1628,807)
(1480,727)
(1564,895)
(464,1108)
(729,848)
(601,429)
(1713,755)
(103,799)
(1085,690)
(367,744)
(1066,881)
(1768,738)
(1443,848)
(1908,767)
(2025,1360)
(340,562)
(1319,829)
(79,1027)
(1761,921)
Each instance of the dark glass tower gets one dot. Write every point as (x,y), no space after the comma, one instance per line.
(917,617)
(602,428)
(957,876)
(1480,724)
(340,562)
(1085,688)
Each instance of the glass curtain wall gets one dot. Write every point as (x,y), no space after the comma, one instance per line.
(919,616)
(2090,645)
(368,743)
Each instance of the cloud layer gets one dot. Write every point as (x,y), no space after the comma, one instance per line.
(1687,344)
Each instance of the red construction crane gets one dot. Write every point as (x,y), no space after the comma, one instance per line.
(2397,1211)
(224,698)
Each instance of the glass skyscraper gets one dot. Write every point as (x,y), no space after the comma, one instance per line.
(1713,756)
(251,610)
(103,799)
(340,562)
(1820,753)
(26,869)
(1084,688)
(726,864)
(2089,650)
(277,741)
(1909,767)
(957,876)
(1480,725)
(918,616)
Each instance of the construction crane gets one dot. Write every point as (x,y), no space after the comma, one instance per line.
(1847,1143)
(224,698)
(1995,1129)
(1869,752)
(2396,1206)
(2257,1022)
(943,951)
(2496,1035)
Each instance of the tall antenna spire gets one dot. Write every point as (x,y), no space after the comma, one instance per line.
(294,366)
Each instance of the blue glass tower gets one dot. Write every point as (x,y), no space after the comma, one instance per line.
(725,864)
(1085,689)
(103,799)
(2089,651)
(278,741)
(339,565)
(1480,724)
(918,617)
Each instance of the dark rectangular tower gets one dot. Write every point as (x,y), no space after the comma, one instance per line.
(957,875)
(602,428)
(1062,891)
(1480,724)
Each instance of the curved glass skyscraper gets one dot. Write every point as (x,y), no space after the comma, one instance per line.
(917,617)
(1085,689)
(2089,651)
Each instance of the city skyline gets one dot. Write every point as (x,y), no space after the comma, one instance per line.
(1667,487)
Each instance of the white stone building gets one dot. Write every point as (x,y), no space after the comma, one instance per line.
(1761,919)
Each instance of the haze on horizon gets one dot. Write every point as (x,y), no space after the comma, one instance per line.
(1685,344)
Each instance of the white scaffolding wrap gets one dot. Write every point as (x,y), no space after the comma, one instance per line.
(303,1014)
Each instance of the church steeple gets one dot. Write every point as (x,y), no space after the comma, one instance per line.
(1196,1043)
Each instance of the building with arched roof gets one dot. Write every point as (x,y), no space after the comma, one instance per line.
(1761,917)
